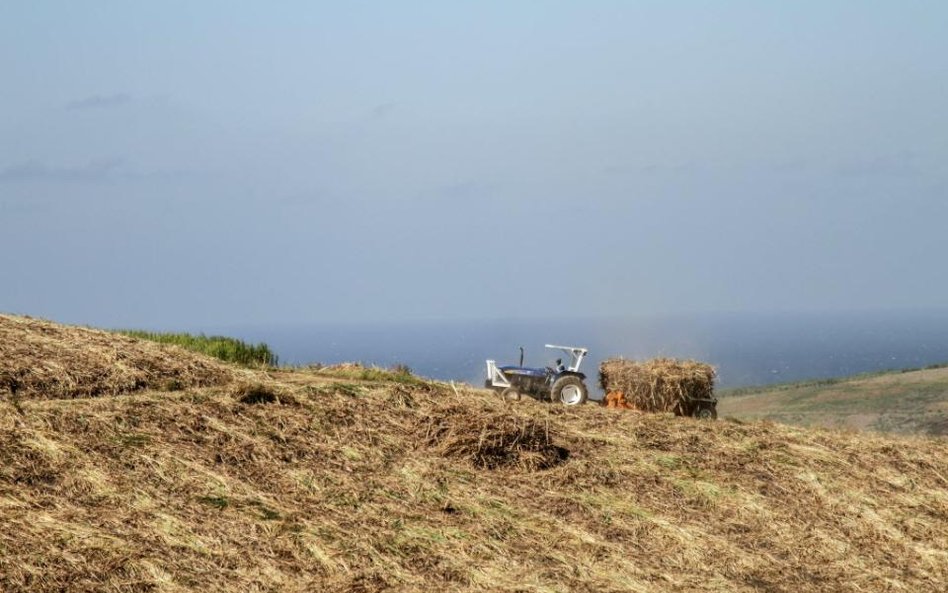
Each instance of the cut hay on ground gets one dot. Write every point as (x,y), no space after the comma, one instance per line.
(293,482)
(198,491)
(41,359)
(492,440)
(657,385)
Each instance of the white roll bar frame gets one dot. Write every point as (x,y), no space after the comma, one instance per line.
(576,355)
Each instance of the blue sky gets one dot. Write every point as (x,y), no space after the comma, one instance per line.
(181,163)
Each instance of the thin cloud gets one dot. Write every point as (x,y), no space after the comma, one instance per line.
(466,190)
(381,111)
(94,171)
(902,164)
(99,102)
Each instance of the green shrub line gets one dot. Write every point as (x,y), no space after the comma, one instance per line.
(222,347)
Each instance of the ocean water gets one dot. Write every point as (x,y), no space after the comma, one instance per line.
(747,349)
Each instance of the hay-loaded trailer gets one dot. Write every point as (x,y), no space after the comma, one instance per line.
(683,387)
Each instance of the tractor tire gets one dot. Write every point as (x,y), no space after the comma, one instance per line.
(510,394)
(569,391)
(706,412)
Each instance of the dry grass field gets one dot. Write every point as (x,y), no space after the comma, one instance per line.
(146,474)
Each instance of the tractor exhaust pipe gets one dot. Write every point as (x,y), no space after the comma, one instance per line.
(521,357)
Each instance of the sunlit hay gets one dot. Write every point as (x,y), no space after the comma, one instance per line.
(659,384)
(342,367)
(44,360)
(360,372)
(399,396)
(492,440)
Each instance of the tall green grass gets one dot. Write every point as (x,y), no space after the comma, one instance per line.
(222,347)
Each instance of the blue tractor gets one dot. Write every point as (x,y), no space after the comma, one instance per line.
(559,384)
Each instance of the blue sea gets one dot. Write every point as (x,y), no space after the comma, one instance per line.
(747,349)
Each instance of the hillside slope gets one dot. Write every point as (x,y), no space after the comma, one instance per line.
(912,402)
(309,481)
(41,359)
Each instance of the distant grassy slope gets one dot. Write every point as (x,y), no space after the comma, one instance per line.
(910,402)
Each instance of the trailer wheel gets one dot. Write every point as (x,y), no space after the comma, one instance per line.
(569,391)
(510,394)
(705,412)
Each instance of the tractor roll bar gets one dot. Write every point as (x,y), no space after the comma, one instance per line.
(576,355)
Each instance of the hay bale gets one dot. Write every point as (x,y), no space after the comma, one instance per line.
(659,384)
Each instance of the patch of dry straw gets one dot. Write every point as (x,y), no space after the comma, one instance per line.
(492,439)
(41,359)
(316,484)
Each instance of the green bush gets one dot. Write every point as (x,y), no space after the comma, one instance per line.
(222,347)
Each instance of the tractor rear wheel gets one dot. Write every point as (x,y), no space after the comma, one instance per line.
(569,391)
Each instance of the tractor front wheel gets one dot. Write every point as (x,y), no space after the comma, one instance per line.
(510,394)
(569,391)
